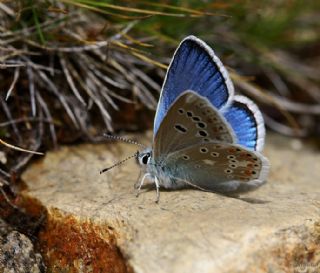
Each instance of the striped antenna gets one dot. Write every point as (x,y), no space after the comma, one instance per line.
(130,141)
(120,162)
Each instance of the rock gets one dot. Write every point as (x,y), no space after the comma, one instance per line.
(96,224)
(17,254)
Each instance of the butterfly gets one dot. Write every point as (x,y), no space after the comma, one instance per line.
(204,136)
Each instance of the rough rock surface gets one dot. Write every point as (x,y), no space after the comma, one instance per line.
(17,254)
(96,224)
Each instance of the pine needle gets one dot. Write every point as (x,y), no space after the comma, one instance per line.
(18,148)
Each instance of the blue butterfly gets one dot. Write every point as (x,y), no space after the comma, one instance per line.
(204,135)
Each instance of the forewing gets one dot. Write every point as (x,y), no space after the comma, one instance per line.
(247,122)
(194,66)
(190,120)
(218,167)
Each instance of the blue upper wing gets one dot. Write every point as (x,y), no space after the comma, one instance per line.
(247,123)
(194,67)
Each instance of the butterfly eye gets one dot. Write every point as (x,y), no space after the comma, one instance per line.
(145,158)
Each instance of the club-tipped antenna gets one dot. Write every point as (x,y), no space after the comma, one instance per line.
(123,139)
(119,163)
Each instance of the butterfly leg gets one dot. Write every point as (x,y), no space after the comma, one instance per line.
(142,182)
(156,181)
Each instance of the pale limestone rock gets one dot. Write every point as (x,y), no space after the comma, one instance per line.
(273,229)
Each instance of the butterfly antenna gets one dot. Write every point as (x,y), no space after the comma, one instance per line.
(119,163)
(126,140)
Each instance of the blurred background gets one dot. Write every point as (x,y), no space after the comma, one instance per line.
(72,70)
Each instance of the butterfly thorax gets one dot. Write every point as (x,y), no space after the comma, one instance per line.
(156,167)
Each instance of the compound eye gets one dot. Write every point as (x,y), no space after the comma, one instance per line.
(145,159)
